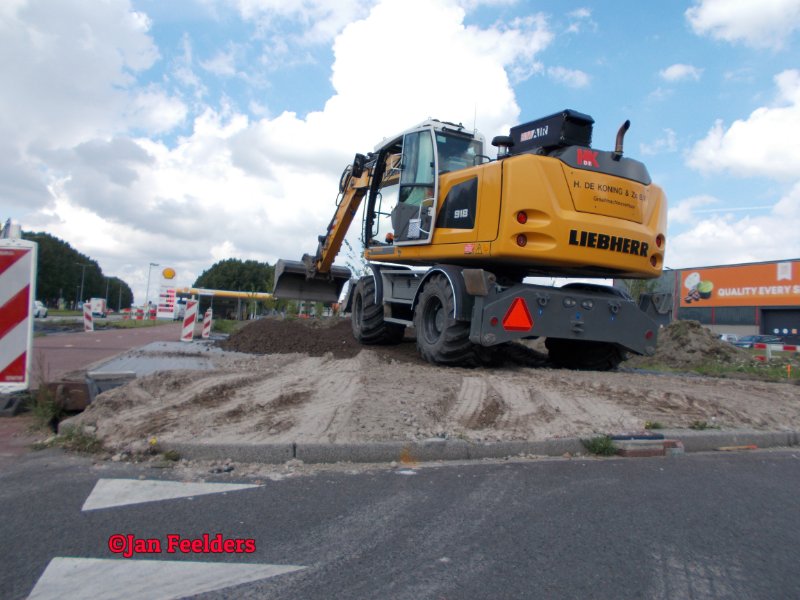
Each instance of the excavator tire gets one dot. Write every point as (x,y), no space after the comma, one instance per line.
(441,339)
(583,355)
(367,317)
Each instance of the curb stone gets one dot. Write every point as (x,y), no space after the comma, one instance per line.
(438,449)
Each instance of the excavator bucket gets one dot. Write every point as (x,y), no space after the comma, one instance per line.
(294,280)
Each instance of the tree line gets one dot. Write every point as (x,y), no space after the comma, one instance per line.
(61,270)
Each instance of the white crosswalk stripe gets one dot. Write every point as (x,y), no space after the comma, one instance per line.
(111,579)
(108,493)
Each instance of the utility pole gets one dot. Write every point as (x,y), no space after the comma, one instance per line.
(147,293)
(83,272)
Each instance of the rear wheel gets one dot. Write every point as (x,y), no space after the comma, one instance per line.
(583,355)
(367,317)
(441,339)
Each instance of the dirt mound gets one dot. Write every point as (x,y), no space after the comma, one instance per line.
(314,337)
(687,344)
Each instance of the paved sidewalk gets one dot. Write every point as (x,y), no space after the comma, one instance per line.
(60,354)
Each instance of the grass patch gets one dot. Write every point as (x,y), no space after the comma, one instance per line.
(702,425)
(653,425)
(601,445)
(51,312)
(774,370)
(227,326)
(45,409)
(78,440)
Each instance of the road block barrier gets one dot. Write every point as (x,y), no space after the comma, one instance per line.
(207,319)
(139,314)
(189,320)
(126,314)
(152,315)
(17,285)
(88,319)
(770,348)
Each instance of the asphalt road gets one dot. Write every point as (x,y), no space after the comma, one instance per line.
(698,526)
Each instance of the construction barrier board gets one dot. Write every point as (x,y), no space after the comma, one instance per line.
(189,320)
(17,293)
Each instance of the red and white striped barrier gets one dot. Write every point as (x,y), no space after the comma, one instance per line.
(139,314)
(17,291)
(189,320)
(770,348)
(126,314)
(207,319)
(88,319)
(153,314)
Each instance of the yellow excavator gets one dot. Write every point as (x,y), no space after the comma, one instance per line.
(450,235)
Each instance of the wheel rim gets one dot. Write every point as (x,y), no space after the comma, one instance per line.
(434,320)
(358,309)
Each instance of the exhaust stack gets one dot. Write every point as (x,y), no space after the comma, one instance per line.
(620,138)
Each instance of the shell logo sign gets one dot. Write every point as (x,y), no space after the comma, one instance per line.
(772,284)
(168,273)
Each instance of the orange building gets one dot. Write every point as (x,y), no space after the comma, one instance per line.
(741,299)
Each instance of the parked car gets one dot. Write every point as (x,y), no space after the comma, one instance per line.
(39,310)
(728,337)
(748,340)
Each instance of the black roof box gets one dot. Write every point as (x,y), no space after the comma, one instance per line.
(565,128)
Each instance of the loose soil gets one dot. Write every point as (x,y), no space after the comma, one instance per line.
(307,380)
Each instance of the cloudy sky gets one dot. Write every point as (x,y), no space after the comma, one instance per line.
(189,131)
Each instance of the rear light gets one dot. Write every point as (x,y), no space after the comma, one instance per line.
(654,261)
(522,240)
(522,218)
(660,240)
(649,335)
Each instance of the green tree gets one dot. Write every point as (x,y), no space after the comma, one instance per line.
(637,287)
(61,268)
(237,275)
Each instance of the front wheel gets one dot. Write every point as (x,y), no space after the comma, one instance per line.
(441,339)
(367,317)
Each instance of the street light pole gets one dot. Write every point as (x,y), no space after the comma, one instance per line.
(147,293)
(83,272)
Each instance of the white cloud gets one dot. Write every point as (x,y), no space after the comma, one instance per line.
(579,19)
(684,212)
(73,69)
(749,147)
(680,72)
(759,24)
(223,63)
(155,111)
(570,77)
(264,189)
(668,143)
(727,238)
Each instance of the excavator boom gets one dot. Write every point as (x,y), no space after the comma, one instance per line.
(315,278)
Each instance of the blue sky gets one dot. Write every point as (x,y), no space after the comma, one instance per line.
(185,132)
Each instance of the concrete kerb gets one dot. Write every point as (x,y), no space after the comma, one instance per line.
(454,449)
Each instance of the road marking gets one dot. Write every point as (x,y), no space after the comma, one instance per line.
(109,578)
(121,492)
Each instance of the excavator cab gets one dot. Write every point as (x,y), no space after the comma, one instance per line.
(403,203)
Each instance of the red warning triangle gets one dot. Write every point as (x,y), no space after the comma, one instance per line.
(518,318)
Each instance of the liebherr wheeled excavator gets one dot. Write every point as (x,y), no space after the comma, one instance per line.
(449,235)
